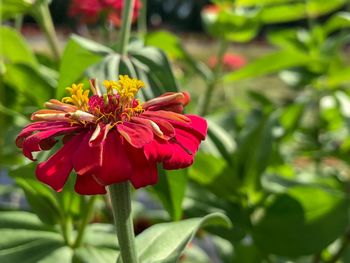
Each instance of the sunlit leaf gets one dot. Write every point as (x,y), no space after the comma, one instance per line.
(302,221)
(164,243)
(271,63)
(14,49)
(170,189)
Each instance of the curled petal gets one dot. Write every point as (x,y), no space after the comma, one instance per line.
(55,171)
(99,135)
(178,151)
(136,134)
(167,115)
(81,116)
(39,126)
(169,101)
(161,128)
(49,115)
(43,140)
(58,105)
(196,125)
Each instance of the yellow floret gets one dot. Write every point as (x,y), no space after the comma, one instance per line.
(79,97)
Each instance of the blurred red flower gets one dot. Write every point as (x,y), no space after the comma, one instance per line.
(110,138)
(230,61)
(90,11)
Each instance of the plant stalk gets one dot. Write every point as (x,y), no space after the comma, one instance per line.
(67,229)
(142,20)
(86,219)
(44,19)
(126,26)
(204,103)
(121,206)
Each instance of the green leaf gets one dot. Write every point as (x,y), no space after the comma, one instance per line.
(91,46)
(263,2)
(155,65)
(280,11)
(291,116)
(255,144)
(167,42)
(75,59)
(338,21)
(170,189)
(335,79)
(20,220)
(101,235)
(30,252)
(206,168)
(233,24)
(219,141)
(173,47)
(283,13)
(41,199)
(89,254)
(12,8)
(63,254)
(164,243)
(302,221)
(216,175)
(14,49)
(30,82)
(320,7)
(108,68)
(25,239)
(271,63)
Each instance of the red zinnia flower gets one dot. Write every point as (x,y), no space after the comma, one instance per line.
(230,61)
(89,11)
(110,138)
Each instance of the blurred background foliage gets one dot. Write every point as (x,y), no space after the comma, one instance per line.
(270,76)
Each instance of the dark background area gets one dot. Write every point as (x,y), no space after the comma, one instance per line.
(182,15)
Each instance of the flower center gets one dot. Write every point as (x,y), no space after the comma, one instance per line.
(118,104)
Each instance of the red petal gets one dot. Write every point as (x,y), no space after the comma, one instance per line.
(87,185)
(43,141)
(39,126)
(163,128)
(55,171)
(167,115)
(178,152)
(199,124)
(99,135)
(158,150)
(87,158)
(116,165)
(144,171)
(169,101)
(136,134)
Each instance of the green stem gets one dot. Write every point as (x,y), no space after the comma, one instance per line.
(208,94)
(121,206)
(86,219)
(67,229)
(65,233)
(45,21)
(142,20)
(126,26)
